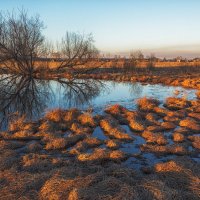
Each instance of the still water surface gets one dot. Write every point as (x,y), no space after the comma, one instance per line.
(34,97)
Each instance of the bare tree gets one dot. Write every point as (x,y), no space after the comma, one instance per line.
(136,55)
(21,42)
(77,50)
(151,61)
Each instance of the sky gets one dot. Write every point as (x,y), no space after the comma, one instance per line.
(167,28)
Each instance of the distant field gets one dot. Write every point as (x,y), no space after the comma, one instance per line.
(123,63)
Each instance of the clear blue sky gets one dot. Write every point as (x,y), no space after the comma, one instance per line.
(166,27)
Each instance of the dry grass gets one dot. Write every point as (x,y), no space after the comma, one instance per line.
(102,155)
(152,119)
(115,110)
(173,103)
(168,125)
(136,125)
(146,104)
(191,124)
(71,115)
(170,166)
(112,144)
(173,119)
(113,129)
(157,138)
(164,126)
(87,119)
(7,144)
(195,141)
(34,147)
(171,149)
(8,159)
(161,111)
(55,115)
(194,115)
(41,169)
(85,144)
(62,143)
(178,137)
(17,123)
(24,135)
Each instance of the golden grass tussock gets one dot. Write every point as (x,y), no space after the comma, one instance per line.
(157,138)
(147,104)
(55,115)
(85,144)
(178,137)
(168,125)
(79,129)
(113,129)
(161,111)
(62,143)
(34,162)
(190,124)
(24,135)
(45,126)
(86,119)
(71,115)
(112,144)
(136,125)
(170,166)
(174,103)
(195,141)
(152,119)
(160,149)
(102,155)
(173,119)
(115,110)
(17,123)
(194,115)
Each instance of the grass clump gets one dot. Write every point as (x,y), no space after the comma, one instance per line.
(102,155)
(174,103)
(86,119)
(85,144)
(190,124)
(62,143)
(112,144)
(195,141)
(164,150)
(147,104)
(113,129)
(178,137)
(157,138)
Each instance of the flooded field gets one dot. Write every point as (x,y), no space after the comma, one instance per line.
(125,132)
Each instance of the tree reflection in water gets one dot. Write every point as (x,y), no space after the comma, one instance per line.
(30,97)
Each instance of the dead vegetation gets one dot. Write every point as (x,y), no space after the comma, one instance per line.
(113,130)
(190,124)
(164,150)
(157,138)
(173,103)
(58,157)
(146,104)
